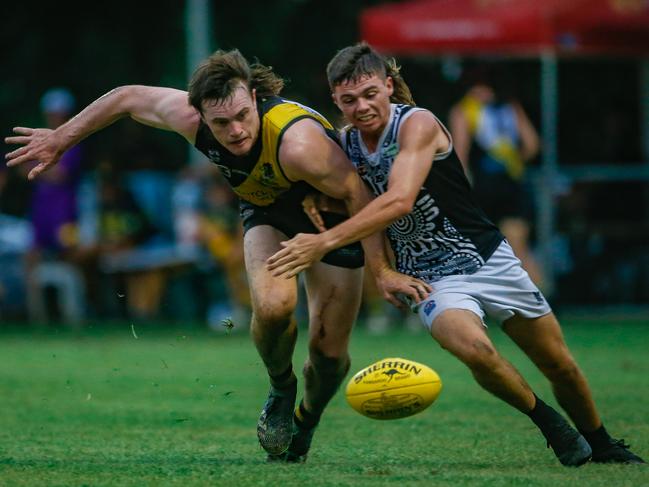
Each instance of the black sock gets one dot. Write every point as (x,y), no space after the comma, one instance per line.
(598,439)
(540,410)
(543,415)
(304,419)
(281,381)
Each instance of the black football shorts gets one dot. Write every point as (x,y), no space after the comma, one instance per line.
(289,218)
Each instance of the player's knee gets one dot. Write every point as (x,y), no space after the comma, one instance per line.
(322,365)
(480,355)
(564,372)
(276,313)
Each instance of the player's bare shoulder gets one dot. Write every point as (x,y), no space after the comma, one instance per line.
(300,148)
(423,129)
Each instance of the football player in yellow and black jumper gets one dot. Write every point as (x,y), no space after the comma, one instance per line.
(272,151)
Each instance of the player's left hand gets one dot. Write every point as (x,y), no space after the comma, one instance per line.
(37,145)
(298,254)
(393,286)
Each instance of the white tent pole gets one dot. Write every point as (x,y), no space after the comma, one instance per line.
(545,191)
(644,100)
(197,42)
(644,116)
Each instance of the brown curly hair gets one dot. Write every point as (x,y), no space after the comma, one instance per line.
(218,76)
(354,62)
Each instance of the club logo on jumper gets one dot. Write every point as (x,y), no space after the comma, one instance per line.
(214,155)
(267,174)
(429,307)
(247,213)
(391,150)
(225,170)
(538,296)
(391,373)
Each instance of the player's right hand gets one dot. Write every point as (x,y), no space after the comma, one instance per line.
(311,208)
(38,145)
(315,203)
(395,286)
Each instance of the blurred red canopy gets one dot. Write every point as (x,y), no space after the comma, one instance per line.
(515,26)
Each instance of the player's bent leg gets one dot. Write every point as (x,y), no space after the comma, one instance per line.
(334,298)
(273,300)
(323,376)
(274,333)
(542,340)
(461,332)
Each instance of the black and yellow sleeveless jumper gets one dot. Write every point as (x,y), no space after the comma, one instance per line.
(266,195)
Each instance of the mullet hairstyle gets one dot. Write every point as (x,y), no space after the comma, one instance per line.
(354,62)
(219,75)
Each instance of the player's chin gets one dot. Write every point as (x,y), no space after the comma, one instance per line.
(240,148)
(369,123)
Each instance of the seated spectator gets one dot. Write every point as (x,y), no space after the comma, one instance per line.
(123,227)
(15,241)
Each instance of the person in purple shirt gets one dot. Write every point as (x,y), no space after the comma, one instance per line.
(51,261)
(54,205)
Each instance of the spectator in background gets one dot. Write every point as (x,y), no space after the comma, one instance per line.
(15,241)
(53,214)
(494,139)
(221,232)
(53,204)
(115,260)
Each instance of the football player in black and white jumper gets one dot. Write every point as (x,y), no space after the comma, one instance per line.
(439,234)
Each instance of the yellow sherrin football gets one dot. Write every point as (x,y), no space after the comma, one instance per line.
(393,388)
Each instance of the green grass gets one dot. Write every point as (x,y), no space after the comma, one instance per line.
(180,407)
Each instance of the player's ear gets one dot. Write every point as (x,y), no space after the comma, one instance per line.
(333,97)
(389,84)
(253,95)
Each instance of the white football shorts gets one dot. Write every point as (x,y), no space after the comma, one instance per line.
(499,289)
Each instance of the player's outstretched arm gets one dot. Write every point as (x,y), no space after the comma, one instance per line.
(164,108)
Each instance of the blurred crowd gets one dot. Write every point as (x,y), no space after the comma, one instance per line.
(114,235)
(103,240)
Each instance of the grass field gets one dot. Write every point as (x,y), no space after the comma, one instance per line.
(179,407)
